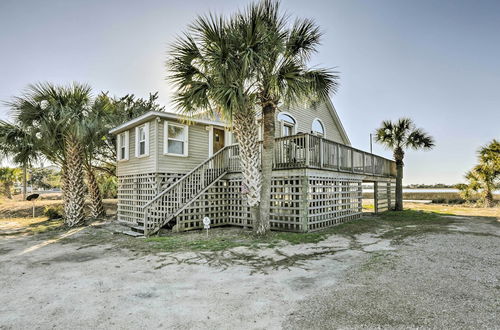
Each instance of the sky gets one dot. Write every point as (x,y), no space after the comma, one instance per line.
(437,62)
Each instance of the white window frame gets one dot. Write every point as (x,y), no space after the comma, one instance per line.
(322,125)
(166,138)
(146,141)
(119,146)
(282,123)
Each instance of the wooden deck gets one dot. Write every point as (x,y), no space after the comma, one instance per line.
(310,151)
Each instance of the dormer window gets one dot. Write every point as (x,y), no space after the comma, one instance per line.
(317,128)
(288,124)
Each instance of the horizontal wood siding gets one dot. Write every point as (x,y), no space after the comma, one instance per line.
(141,165)
(197,150)
(305,117)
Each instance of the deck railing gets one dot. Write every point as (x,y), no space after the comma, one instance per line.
(307,150)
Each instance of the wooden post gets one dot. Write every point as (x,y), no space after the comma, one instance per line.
(321,152)
(304,212)
(338,156)
(352,160)
(364,163)
(306,136)
(389,202)
(375,196)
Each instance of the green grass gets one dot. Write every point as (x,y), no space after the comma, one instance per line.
(395,226)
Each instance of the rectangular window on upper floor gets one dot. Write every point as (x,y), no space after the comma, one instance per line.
(176,139)
(122,146)
(142,140)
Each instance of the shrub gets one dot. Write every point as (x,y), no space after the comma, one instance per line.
(53,212)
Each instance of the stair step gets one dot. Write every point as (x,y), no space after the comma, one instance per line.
(133,233)
(138,229)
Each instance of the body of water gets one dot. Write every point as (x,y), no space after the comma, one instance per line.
(428,190)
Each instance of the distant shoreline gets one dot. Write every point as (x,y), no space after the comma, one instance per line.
(429,190)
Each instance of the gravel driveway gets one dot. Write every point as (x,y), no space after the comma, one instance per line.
(448,280)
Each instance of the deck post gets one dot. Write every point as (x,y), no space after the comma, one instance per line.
(307,152)
(304,213)
(337,147)
(321,152)
(352,161)
(364,163)
(389,201)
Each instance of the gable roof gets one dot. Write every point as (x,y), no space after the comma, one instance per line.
(338,122)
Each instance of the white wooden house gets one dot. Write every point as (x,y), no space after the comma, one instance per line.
(173,172)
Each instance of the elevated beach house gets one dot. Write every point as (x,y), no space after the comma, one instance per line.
(173,172)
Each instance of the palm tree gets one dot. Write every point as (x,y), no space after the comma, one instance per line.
(56,116)
(484,178)
(398,137)
(8,176)
(17,143)
(275,54)
(213,79)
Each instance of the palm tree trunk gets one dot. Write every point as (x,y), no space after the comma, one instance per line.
(263,226)
(7,189)
(245,129)
(74,186)
(25,182)
(488,198)
(95,196)
(399,186)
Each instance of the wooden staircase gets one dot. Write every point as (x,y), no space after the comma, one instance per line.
(169,203)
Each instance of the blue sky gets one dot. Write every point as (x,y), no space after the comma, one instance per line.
(437,62)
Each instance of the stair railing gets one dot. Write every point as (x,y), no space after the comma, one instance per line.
(167,204)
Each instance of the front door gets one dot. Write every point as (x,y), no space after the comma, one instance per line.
(218,139)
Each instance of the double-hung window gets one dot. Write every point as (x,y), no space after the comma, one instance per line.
(142,140)
(176,139)
(122,144)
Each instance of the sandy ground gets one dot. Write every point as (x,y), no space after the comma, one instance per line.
(436,281)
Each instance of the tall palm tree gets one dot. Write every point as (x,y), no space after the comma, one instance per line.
(56,115)
(213,79)
(8,176)
(484,178)
(398,137)
(20,145)
(276,53)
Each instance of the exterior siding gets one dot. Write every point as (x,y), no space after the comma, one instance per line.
(198,142)
(305,117)
(141,165)
(197,150)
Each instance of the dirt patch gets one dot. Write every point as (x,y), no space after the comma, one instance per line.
(352,276)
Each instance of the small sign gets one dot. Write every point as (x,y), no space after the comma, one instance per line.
(206,222)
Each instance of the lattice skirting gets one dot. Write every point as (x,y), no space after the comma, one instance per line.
(134,191)
(300,202)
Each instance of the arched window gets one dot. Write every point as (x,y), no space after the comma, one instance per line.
(317,128)
(288,124)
